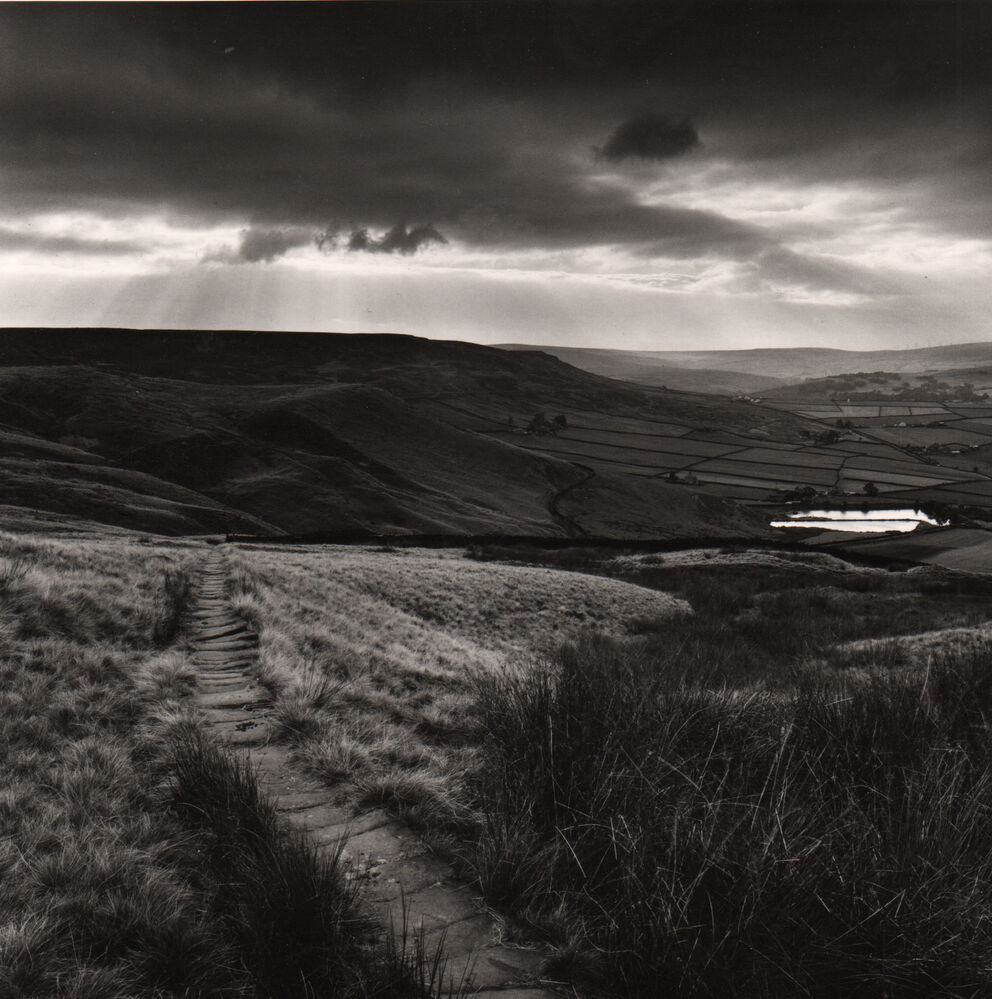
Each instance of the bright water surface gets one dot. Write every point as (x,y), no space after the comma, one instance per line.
(874,521)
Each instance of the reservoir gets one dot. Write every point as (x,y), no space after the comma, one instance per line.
(862,521)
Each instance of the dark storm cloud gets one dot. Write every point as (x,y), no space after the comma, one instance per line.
(267,244)
(262,245)
(398,239)
(142,132)
(476,116)
(650,137)
(904,51)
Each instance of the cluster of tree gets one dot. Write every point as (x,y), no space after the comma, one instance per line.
(824,437)
(850,383)
(806,494)
(540,424)
(928,392)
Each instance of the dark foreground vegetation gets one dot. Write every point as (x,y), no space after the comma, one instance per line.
(136,859)
(731,805)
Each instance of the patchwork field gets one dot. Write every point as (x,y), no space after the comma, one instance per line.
(753,465)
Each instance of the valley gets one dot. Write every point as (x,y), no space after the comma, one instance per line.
(264,434)
(444,722)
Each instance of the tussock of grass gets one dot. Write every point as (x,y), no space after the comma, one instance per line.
(338,756)
(12,571)
(421,796)
(294,912)
(177,588)
(833,842)
(304,696)
(293,908)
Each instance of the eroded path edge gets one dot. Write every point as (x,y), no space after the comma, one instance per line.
(402,878)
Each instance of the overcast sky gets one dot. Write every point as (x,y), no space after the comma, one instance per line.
(667,176)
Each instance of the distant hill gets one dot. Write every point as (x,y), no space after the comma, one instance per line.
(759,370)
(189,432)
(972,384)
(651,368)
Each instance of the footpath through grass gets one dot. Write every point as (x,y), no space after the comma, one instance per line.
(136,859)
(736,802)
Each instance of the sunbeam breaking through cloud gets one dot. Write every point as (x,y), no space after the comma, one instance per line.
(758,157)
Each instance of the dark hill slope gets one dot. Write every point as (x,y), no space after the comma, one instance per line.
(191,432)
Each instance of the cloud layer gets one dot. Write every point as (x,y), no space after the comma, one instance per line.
(801,154)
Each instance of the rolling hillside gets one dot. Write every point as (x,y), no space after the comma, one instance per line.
(660,369)
(763,369)
(185,432)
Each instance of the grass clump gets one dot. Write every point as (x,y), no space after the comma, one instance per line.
(293,908)
(719,842)
(290,906)
(177,589)
(12,571)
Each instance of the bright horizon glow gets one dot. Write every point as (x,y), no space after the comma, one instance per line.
(719,197)
(480,305)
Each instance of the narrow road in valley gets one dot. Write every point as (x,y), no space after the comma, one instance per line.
(574,528)
(397,868)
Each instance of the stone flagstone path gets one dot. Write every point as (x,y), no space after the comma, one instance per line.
(401,870)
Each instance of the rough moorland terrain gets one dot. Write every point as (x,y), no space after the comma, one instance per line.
(662,794)
(707,768)
(184,432)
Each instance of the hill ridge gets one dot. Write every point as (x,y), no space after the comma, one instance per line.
(305,432)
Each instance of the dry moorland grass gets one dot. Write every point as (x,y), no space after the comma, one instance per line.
(373,657)
(138,860)
(732,556)
(729,802)
(98,897)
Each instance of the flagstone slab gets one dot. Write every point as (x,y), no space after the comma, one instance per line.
(403,883)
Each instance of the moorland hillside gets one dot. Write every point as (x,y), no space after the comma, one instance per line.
(765,371)
(190,432)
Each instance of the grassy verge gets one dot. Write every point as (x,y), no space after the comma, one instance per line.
(733,802)
(136,860)
(102,896)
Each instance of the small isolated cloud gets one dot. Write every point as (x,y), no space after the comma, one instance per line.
(650,137)
(399,239)
(261,245)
